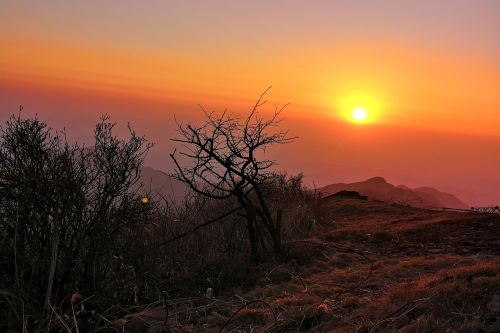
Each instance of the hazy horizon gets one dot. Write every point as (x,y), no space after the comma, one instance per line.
(428,73)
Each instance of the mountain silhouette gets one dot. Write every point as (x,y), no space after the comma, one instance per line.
(378,188)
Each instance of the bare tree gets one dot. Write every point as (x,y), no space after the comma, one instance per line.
(222,158)
(62,208)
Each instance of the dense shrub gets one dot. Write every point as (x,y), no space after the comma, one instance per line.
(63,210)
(74,231)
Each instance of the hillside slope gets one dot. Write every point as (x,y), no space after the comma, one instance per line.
(161,186)
(445,199)
(372,267)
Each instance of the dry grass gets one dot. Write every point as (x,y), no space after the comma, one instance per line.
(375,268)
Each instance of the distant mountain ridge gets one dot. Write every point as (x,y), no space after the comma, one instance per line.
(378,188)
(162,186)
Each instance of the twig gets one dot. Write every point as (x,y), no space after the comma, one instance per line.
(392,317)
(65,325)
(74,319)
(243,307)
(184,234)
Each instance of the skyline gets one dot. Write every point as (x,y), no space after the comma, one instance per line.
(432,68)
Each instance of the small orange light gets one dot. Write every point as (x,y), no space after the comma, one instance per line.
(145,200)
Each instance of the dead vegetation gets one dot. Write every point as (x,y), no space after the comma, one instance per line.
(83,244)
(104,260)
(372,274)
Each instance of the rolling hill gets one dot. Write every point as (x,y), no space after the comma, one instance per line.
(378,188)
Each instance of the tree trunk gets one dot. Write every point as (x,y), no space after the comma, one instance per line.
(261,236)
(52,270)
(139,280)
(19,256)
(251,217)
(277,233)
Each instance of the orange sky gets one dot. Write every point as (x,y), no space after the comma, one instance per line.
(428,73)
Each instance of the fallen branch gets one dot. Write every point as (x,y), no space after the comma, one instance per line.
(184,234)
(393,317)
(243,307)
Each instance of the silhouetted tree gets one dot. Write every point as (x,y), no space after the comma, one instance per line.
(62,208)
(222,158)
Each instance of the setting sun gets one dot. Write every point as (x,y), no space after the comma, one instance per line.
(360,108)
(359,114)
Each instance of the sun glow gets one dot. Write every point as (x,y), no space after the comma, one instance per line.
(359,114)
(360,108)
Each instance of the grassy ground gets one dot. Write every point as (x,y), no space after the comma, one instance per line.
(374,267)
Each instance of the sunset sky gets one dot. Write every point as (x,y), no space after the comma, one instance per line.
(427,74)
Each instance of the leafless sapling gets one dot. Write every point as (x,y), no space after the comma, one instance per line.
(223,158)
